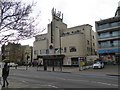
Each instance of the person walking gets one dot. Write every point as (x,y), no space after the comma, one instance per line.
(5,74)
(39,65)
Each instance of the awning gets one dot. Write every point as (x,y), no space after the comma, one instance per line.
(51,56)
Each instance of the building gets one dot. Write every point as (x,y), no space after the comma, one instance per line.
(27,53)
(10,52)
(108,35)
(16,53)
(70,44)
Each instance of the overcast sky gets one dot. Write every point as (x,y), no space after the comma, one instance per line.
(75,12)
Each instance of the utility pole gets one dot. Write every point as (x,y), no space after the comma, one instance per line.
(27,61)
(60,51)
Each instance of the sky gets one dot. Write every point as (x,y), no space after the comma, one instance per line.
(75,12)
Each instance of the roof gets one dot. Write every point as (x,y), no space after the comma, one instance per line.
(108,20)
(80,26)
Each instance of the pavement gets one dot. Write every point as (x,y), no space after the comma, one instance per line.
(112,70)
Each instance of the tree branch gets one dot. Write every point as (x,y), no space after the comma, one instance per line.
(15,16)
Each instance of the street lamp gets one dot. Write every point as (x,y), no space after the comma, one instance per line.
(60,60)
(27,60)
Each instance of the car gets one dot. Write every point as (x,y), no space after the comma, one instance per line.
(12,64)
(98,65)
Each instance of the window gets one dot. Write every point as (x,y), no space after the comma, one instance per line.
(104,26)
(65,49)
(88,49)
(63,34)
(116,43)
(93,37)
(114,24)
(78,31)
(104,35)
(35,52)
(72,49)
(68,33)
(88,42)
(40,51)
(116,33)
(105,44)
(43,51)
(74,61)
(47,51)
(93,44)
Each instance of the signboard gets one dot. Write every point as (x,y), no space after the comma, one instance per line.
(117,50)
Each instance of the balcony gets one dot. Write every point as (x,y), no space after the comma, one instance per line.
(111,37)
(109,46)
(109,25)
(108,28)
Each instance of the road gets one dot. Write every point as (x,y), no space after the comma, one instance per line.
(31,78)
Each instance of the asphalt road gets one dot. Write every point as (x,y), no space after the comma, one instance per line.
(42,79)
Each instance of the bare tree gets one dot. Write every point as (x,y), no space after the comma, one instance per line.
(15,21)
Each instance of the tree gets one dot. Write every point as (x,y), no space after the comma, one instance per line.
(15,21)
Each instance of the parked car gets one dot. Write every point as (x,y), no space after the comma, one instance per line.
(12,64)
(98,65)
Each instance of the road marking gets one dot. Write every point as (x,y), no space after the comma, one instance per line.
(52,86)
(78,80)
(109,84)
(114,85)
(104,83)
(24,81)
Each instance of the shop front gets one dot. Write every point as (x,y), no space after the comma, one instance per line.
(110,56)
(52,60)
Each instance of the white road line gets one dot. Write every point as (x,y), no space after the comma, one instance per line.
(52,86)
(78,80)
(109,84)
(24,81)
(104,83)
(115,85)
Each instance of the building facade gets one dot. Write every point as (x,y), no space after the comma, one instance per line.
(16,53)
(27,53)
(73,43)
(108,35)
(10,52)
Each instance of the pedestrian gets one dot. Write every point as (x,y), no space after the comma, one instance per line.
(5,74)
(39,64)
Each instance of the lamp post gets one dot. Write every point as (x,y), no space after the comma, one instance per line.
(27,60)
(60,51)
